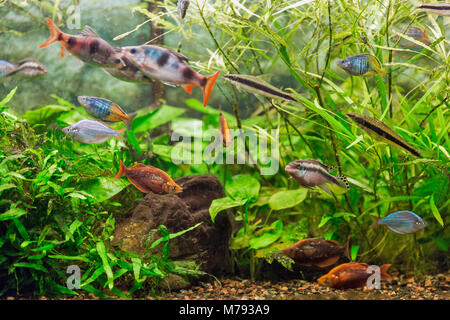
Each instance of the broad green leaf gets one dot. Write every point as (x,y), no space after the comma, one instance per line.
(268,237)
(221,204)
(44,115)
(6,99)
(354,252)
(35,266)
(156,118)
(134,142)
(12,214)
(243,187)
(103,188)
(287,199)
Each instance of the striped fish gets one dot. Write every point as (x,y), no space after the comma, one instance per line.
(169,67)
(440,8)
(255,85)
(361,65)
(380,131)
(106,110)
(29,67)
(310,173)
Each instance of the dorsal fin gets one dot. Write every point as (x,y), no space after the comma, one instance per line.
(138,165)
(89,32)
(344,181)
(182,57)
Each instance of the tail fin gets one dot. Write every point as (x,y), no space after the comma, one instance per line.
(210,80)
(347,249)
(117,134)
(121,172)
(384,275)
(375,222)
(128,122)
(54,33)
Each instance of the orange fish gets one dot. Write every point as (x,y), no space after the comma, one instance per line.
(148,178)
(319,252)
(87,46)
(351,275)
(225,132)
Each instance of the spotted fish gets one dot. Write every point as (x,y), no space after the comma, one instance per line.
(310,173)
(91,131)
(361,65)
(148,178)
(170,67)
(87,46)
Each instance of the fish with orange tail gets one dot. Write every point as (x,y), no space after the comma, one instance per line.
(86,46)
(351,275)
(318,252)
(148,179)
(227,138)
(170,67)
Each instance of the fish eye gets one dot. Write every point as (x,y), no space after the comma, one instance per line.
(117,61)
(133,51)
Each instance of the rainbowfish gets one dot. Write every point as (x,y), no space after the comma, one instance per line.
(319,252)
(352,275)
(401,222)
(87,46)
(414,33)
(106,110)
(258,86)
(128,72)
(379,130)
(440,8)
(310,173)
(361,65)
(148,178)
(227,138)
(170,67)
(6,68)
(182,6)
(91,131)
(29,67)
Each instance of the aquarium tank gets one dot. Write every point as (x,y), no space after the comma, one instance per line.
(151,146)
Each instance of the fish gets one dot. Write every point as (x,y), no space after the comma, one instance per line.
(148,179)
(86,46)
(401,222)
(182,6)
(379,130)
(6,68)
(91,131)
(318,252)
(29,67)
(351,275)
(310,173)
(414,33)
(439,8)
(227,138)
(128,72)
(170,67)
(106,110)
(255,85)
(361,65)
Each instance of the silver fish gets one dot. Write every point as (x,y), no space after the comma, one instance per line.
(182,8)
(310,173)
(402,222)
(6,68)
(91,131)
(29,67)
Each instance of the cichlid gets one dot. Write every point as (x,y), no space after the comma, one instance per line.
(148,178)
(258,86)
(170,67)
(318,252)
(87,46)
(414,33)
(379,130)
(128,72)
(401,222)
(351,275)
(310,173)
(361,65)
(182,6)
(91,131)
(106,110)
(6,68)
(225,132)
(440,8)
(29,68)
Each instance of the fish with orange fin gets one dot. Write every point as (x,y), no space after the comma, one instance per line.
(351,275)
(87,46)
(225,132)
(170,67)
(318,252)
(148,179)
(106,110)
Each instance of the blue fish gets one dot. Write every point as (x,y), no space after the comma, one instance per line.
(91,131)
(401,222)
(361,65)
